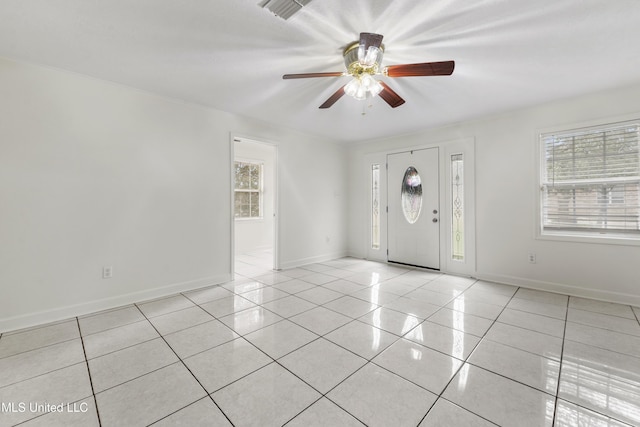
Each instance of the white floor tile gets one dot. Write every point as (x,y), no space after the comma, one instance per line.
(252,319)
(518,365)
(432,297)
(379,398)
(322,364)
(443,339)
(33,338)
(273,394)
(110,319)
(475,308)
(391,321)
(280,338)
(524,339)
(416,308)
(179,320)
(165,305)
(118,338)
(69,384)
(542,296)
(320,320)
(570,415)
(445,413)
(604,321)
(586,384)
(534,322)
(319,295)
(212,293)
(188,342)
(420,365)
(226,363)
(75,414)
(40,361)
(461,321)
(602,338)
(264,295)
(498,399)
(350,306)
(541,308)
(118,367)
(149,398)
(602,307)
(225,306)
(324,413)
(294,286)
(201,413)
(362,339)
(289,306)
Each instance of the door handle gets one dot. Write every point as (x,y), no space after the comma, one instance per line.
(435,220)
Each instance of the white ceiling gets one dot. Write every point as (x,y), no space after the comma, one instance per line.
(231,54)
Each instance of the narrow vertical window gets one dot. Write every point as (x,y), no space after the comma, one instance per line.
(375,206)
(457,207)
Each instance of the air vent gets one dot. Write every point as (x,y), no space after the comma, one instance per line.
(285,9)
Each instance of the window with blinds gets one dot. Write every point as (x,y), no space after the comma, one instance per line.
(590,180)
(248,190)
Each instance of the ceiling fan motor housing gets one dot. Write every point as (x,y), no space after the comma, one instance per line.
(352,62)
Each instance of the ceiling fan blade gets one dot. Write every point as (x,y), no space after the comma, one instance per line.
(370,39)
(333,98)
(444,68)
(390,97)
(310,75)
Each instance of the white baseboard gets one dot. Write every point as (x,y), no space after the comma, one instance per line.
(559,288)
(56,314)
(311,260)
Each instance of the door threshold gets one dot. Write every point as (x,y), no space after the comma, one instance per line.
(413,265)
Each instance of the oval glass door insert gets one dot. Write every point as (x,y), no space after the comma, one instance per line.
(411,195)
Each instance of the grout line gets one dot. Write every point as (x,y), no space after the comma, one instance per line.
(86,361)
(470,354)
(555,403)
(38,348)
(185,366)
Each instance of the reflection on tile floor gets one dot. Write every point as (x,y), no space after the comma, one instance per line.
(345,342)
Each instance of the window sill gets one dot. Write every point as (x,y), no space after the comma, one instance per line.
(252,219)
(602,239)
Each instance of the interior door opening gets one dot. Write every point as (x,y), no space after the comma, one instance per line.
(254,206)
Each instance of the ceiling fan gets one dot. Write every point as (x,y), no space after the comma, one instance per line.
(363,60)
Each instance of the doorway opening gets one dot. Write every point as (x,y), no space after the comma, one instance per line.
(254,200)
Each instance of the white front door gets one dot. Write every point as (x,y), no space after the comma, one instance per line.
(414,211)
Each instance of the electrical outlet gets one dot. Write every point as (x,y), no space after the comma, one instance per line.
(107,272)
(532,258)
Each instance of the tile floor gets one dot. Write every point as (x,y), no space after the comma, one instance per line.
(342,343)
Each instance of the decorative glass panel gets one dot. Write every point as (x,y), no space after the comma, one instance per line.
(411,195)
(375,206)
(457,207)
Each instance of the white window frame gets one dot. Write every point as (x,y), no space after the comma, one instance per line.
(582,236)
(260,190)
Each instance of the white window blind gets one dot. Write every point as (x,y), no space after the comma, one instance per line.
(590,179)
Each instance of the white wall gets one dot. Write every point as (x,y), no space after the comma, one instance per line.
(257,234)
(95,174)
(506,191)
